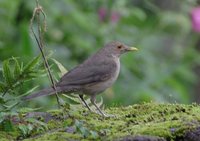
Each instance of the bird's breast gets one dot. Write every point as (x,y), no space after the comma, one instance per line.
(100,87)
(115,73)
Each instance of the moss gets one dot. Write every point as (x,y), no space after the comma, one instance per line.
(56,136)
(170,121)
(5,136)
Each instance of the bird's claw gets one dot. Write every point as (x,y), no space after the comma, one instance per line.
(106,115)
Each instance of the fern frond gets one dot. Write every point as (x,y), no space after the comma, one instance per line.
(17,69)
(7,74)
(62,69)
(71,100)
(31,64)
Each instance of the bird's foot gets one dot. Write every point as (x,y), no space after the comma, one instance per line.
(105,115)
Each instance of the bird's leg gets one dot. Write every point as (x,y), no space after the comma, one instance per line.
(93,101)
(85,103)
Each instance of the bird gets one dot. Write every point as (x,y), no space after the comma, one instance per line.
(92,77)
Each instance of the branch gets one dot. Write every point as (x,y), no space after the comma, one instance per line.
(36,14)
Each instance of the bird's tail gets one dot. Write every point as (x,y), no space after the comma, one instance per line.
(44,92)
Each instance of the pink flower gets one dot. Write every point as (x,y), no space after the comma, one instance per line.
(195,15)
(102,13)
(106,15)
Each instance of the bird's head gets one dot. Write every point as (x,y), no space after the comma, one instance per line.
(116,48)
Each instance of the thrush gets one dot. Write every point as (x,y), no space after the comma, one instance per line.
(92,77)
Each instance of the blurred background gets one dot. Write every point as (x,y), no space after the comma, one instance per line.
(165,69)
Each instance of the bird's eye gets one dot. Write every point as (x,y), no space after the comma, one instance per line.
(119,47)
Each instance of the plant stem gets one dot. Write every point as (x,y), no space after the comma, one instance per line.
(40,44)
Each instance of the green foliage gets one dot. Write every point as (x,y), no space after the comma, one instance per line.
(17,121)
(85,132)
(25,129)
(15,75)
(31,125)
(6,123)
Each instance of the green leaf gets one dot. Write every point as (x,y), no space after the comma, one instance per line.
(27,110)
(9,107)
(7,74)
(32,64)
(83,130)
(100,103)
(94,134)
(17,69)
(62,69)
(29,91)
(71,100)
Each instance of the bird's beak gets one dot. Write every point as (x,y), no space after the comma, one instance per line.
(131,49)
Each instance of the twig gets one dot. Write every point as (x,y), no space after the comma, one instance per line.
(39,40)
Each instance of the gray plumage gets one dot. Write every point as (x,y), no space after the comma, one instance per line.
(93,76)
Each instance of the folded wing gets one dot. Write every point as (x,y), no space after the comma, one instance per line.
(84,75)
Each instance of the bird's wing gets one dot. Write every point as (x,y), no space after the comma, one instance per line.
(88,74)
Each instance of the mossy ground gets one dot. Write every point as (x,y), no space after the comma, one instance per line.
(169,121)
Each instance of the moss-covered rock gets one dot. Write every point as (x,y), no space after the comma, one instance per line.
(148,121)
